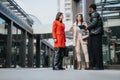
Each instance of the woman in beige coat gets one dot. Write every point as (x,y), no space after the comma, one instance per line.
(77,40)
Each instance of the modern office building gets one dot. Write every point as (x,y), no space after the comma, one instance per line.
(110,12)
(68,11)
(23,42)
(20,44)
(16,38)
(72,7)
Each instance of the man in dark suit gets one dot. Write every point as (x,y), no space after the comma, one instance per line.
(95,28)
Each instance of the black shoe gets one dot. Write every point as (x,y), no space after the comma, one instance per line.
(58,68)
(55,68)
(62,68)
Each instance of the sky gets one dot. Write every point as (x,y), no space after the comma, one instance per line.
(44,10)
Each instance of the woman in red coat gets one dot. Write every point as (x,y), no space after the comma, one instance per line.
(58,34)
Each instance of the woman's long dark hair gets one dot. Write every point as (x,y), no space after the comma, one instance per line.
(58,16)
(80,20)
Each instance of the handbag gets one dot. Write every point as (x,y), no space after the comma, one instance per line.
(66,52)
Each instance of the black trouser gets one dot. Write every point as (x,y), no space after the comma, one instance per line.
(95,51)
(58,57)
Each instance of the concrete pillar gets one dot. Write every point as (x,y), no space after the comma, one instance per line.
(45,56)
(30,51)
(38,51)
(49,54)
(9,44)
(81,6)
(23,49)
(85,7)
(76,8)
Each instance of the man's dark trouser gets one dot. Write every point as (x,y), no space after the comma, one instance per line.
(58,58)
(95,51)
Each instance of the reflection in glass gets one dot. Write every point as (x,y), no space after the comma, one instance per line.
(3,42)
(16,38)
(109,10)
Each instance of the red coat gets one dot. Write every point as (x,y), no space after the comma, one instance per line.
(58,32)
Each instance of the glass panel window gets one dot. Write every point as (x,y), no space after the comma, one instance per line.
(111,39)
(16,39)
(3,41)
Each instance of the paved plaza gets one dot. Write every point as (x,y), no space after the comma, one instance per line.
(49,74)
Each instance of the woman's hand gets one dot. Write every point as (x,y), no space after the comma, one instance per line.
(86,30)
(71,28)
(55,40)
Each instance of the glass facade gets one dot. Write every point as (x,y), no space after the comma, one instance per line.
(3,42)
(16,39)
(19,50)
(14,31)
(110,11)
(46,54)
